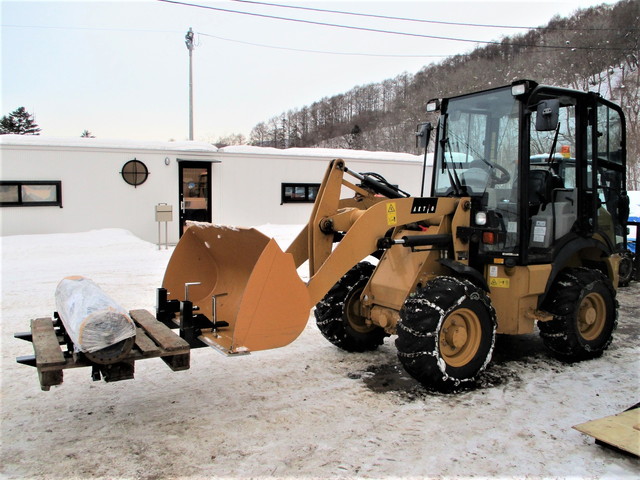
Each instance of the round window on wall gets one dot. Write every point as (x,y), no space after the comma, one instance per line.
(134,172)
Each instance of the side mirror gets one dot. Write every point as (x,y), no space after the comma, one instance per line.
(547,115)
(423,133)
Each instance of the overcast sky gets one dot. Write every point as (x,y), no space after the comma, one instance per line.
(120,68)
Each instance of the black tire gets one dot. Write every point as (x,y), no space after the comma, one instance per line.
(337,313)
(446,333)
(625,269)
(585,315)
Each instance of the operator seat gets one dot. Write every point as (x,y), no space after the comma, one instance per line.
(541,185)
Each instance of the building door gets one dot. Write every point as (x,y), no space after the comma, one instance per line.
(195,192)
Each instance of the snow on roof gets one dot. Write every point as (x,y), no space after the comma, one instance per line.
(104,143)
(321,152)
(203,147)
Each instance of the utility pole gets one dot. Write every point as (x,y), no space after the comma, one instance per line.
(188,39)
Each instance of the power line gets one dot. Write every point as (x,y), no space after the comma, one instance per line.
(313,22)
(376,30)
(243,42)
(406,19)
(303,50)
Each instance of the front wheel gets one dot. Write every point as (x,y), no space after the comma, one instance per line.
(446,333)
(585,314)
(338,314)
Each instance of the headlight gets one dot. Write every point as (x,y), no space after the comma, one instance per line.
(433,105)
(481,218)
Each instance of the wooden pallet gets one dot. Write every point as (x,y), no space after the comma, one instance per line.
(153,339)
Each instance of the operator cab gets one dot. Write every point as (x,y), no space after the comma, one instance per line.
(544,168)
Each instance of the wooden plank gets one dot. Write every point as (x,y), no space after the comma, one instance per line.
(159,332)
(621,431)
(145,344)
(45,344)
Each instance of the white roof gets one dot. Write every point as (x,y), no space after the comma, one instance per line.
(104,143)
(201,147)
(321,152)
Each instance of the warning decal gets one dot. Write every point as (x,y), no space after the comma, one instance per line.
(499,282)
(392,213)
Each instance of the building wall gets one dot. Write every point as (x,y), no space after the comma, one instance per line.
(247,187)
(94,195)
(246,183)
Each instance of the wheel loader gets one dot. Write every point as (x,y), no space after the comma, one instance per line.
(524,225)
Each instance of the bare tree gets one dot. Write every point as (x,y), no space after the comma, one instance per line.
(594,41)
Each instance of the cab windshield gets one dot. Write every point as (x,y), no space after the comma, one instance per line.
(477,156)
(478,145)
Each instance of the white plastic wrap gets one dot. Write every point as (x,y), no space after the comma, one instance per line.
(92,319)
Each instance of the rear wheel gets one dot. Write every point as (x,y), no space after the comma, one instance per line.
(585,313)
(446,333)
(625,269)
(338,314)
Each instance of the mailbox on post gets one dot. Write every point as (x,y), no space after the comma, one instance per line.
(164,213)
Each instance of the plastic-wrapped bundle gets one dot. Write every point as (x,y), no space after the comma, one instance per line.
(93,320)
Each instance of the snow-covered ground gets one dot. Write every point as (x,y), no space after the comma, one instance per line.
(306,410)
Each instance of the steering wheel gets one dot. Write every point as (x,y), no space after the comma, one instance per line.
(498,174)
(498,179)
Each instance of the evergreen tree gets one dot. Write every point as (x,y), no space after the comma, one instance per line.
(87,134)
(20,122)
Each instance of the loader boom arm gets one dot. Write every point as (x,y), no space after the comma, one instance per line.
(363,220)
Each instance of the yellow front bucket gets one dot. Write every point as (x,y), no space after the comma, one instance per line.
(256,287)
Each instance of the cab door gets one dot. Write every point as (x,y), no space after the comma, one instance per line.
(609,174)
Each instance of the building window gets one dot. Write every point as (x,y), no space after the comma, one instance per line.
(299,192)
(134,172)
(31,193)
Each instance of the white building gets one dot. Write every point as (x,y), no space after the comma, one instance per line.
(64,185)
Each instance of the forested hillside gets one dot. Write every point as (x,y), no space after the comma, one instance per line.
(596,49)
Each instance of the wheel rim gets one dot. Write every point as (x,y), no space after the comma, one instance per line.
(625,267)
(352,312)
(592,316)
(460,337)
